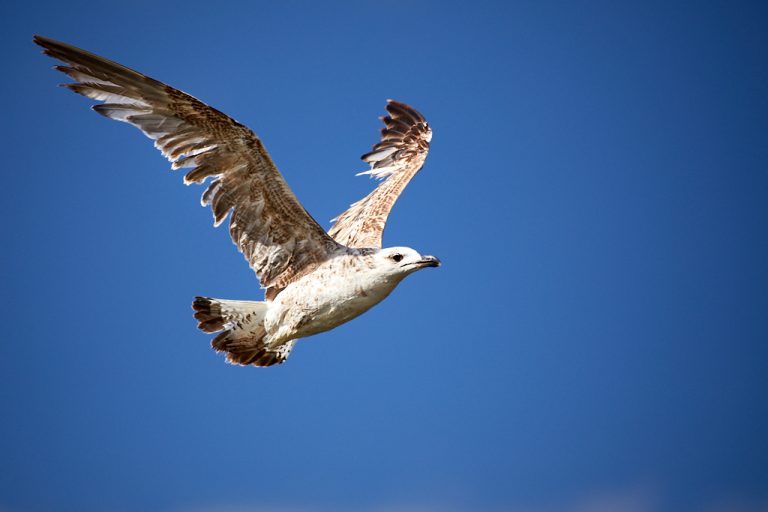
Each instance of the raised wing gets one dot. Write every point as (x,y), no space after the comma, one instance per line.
(274,232)
(396,159)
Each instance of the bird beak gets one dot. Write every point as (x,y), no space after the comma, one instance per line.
(428,261)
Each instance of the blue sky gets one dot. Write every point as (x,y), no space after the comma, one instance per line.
(595,340)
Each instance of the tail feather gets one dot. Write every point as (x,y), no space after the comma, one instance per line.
(244,333)
(218,314)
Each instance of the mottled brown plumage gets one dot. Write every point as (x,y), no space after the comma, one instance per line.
(268,224)
(396,158)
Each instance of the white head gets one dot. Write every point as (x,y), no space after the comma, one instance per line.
(398,262)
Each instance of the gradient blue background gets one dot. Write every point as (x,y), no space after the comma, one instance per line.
(597,188)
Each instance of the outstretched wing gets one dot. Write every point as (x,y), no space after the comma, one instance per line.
(395,159)
(278,237)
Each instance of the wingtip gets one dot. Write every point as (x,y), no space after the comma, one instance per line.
(41,40)
(48,46)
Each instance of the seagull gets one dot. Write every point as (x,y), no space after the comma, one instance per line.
(314,280)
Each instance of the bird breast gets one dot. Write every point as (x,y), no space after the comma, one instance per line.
(336,292)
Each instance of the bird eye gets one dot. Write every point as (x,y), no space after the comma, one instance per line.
(397,257)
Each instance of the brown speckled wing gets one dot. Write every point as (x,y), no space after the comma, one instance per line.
(396,158)
(271,228)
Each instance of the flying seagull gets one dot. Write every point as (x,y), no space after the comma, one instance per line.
(314,280)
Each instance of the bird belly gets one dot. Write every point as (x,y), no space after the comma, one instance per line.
(315,306)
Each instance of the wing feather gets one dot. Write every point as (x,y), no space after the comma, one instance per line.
(396,158)
(270,227)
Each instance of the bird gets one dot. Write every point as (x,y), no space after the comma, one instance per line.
(314,280)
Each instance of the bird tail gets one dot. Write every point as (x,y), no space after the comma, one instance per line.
(242,323)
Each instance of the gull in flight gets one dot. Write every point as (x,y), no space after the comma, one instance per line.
(314,280)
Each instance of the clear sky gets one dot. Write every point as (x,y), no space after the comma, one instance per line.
(596,340)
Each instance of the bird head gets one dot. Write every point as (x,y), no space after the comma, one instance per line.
(401,261)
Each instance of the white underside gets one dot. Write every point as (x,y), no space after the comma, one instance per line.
(322,301)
